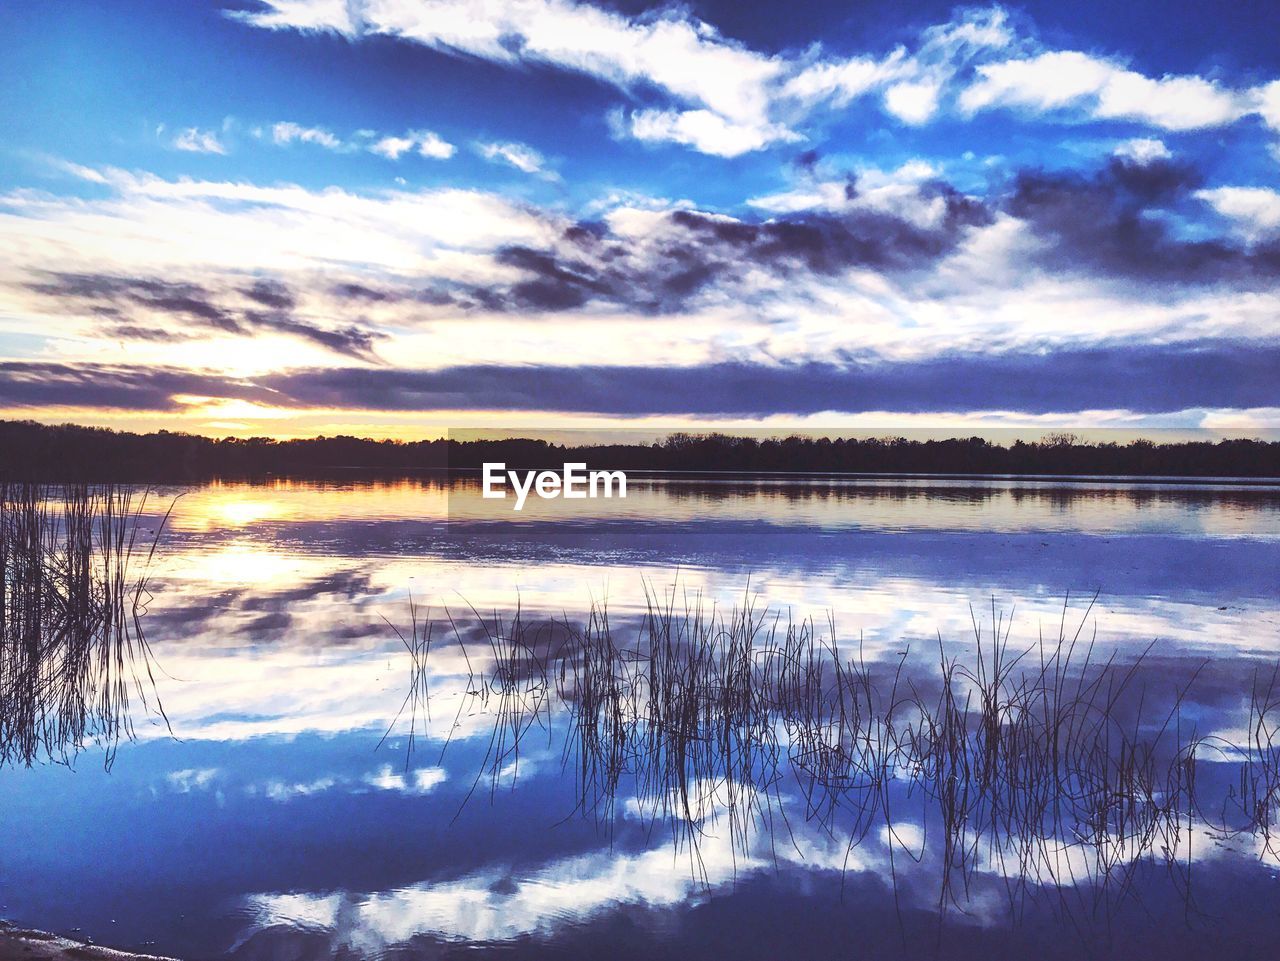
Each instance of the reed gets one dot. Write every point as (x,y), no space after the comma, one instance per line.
(74,660)
(1056,766)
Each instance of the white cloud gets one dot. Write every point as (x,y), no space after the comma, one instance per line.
(305,15)
(913,102)
(283,791)
(227,225)
(706,132)
(478,908)
(428,778)
(79,171)
(231,232)
(1254,210)
(1101,89)
(726,99)
(286,132)
(392,147)
(991,290)
(1171,103)
(673,52)
(841,83)
(1267,102)
(521,156)
(683,56)
(434,146)
(895,192)
(1142,150)
(420,781)
(192,779)
(425,142)
(195,140)
(728,95)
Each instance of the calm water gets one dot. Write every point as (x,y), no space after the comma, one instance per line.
(273,823)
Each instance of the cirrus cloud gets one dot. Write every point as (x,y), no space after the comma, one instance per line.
(723,98)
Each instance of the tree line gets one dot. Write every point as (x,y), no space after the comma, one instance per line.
(33,451)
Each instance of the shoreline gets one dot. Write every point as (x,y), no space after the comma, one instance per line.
(28,944)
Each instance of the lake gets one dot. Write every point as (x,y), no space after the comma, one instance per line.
(365,753)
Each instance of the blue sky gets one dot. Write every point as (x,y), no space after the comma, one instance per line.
(396,216)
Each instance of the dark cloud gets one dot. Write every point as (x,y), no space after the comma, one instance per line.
(1123,376)
(27,384)
(352,341)
(104,291)
(807,159)
(199,308)
(138,332)
(365,293)
(273,294)
(1133,377)
(557,282)
(1124,221)
(826,243)
(689,252)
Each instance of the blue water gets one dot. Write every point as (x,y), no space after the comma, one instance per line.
(265,821)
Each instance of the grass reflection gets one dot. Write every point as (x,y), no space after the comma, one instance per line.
(73,656)
(1047,764)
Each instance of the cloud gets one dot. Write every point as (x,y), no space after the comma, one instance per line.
(419,781)
(1100,89)
(705,131)
(110,294)
(520,156)
(723,98)
(914,191)
(286,132)
(679,254)
(837,84)
(285,791)
(271,293)
(1254,211)
(680,55)
(1267,103)
(111,386)
(1119,222)
(424,142)
(79,171)
(350,340)
(492,906)
(913,102)
(1135,377)
(192,779)
(1142,150)
(661,261)
(120,298)
(194,140)
(228,224)
(727,99)
(898,261)
(422,780)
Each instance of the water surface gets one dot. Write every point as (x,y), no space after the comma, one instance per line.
(270,817)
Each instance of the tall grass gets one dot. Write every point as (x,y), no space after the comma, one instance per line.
(73,656)
(1047,762)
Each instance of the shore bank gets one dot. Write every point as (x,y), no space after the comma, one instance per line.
(24,944)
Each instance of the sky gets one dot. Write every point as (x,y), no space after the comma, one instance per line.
(396,217)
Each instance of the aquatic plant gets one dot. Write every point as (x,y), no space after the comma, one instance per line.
(73,655)
(1057,768)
